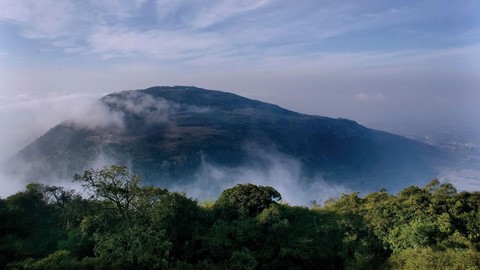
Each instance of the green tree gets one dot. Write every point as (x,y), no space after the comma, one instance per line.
(30,225)
(246,200)
(124,231)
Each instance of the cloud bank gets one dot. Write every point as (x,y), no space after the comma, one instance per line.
(24,117)
(282,172)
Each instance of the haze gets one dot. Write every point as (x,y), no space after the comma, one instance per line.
(386,64)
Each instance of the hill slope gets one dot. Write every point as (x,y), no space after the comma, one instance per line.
(167,134)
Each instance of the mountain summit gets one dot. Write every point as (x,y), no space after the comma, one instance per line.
(169,135)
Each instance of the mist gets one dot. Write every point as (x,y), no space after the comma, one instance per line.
(23,117)
(280,171)
(26,117)
(265,167)
(281,174)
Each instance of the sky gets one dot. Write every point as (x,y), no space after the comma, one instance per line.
(382,63)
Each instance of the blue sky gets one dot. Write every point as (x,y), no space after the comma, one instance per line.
(378,62)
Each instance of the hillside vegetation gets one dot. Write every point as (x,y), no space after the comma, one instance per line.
(121,224)
(168,135)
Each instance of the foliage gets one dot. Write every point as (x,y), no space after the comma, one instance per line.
(124,230)
(425,228)
(123,225)
(431,259)
(246,200)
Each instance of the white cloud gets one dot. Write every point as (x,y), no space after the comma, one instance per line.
(223,10)
(46,19)
(186,29)
(112,42)
(94,116)
(24,117)
(282,172)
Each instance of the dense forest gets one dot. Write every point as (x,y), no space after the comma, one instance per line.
(118,223)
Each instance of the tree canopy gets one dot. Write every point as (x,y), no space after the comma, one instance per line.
(124,225)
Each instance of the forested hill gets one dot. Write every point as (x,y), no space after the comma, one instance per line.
(166,135)
(125,225)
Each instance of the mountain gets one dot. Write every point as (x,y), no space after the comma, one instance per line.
(169,134)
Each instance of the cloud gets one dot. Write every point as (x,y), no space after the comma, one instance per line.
(280,171)
(120,42)
(224,10)
(45,19)
(271,168)
(185,30)
(24,117)
(95,116)
(153,110)
(10,185)
(13,180)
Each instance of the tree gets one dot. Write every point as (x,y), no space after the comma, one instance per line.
(114,184)
(246,200)
(124,231)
